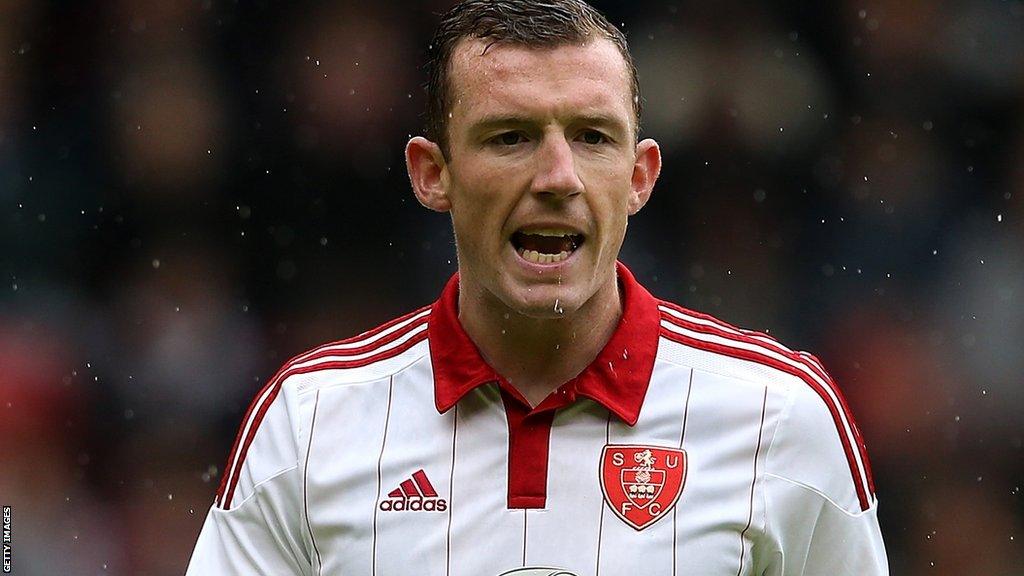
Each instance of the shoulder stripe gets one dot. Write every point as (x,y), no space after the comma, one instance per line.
(366,339)
(699,321)
(710,336)
(356,353)
(384,342)
(710,321)
(722,328)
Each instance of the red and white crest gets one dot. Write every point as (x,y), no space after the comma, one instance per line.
(641,483)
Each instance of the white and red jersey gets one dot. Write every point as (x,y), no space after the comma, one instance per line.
(688,446)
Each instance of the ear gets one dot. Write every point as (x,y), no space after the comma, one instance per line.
(428,173)
(646,169)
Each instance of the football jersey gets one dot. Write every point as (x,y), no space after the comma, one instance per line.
(687,446)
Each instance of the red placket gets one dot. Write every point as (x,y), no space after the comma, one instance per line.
(529,432)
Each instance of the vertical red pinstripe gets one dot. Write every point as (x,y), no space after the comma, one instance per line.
(305,475)
(525,512)
(753,481)
(380,458)
(451,494)
(682,437)
(600,522)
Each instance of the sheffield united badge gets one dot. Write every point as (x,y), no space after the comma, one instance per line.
(642,483)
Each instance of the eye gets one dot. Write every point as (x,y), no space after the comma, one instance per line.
(509,138)
(593,137)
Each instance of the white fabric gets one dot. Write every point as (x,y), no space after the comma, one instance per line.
(335,442)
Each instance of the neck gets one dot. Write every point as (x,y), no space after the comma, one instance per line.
(537,355)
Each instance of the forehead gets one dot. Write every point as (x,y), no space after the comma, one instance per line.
(490,78)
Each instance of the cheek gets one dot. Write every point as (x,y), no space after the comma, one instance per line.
(484,194)
(609,200)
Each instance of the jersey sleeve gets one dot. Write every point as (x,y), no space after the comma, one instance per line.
(819,496)
(256,523)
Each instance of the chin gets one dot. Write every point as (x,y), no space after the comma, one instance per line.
(543,302)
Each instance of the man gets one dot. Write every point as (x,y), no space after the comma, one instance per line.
(547,414)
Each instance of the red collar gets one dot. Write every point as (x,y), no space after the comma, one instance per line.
(617,378)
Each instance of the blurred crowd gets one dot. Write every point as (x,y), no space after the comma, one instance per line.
(192,192)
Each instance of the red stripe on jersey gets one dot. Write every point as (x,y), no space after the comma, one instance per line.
(222,489)
(804,358)
(240,447)
(396,493)
(425,486)
(363,336)
(861,445)
(753,356)
(332,351)
(409,489)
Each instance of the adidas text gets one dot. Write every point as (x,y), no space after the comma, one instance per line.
(414,505)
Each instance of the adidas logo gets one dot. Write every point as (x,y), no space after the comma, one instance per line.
(414,494)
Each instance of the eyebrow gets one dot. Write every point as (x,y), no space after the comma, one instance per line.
(488,123)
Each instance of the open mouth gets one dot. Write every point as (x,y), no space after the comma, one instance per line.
(546,246)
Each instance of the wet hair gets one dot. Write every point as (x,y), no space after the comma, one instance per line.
(530,23)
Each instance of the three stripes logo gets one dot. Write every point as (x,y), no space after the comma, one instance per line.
(413,495)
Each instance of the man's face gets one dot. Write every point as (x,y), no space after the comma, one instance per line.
(540,174)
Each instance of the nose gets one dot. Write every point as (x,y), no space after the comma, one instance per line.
(555,175)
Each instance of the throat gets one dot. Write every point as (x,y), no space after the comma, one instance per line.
(537,355)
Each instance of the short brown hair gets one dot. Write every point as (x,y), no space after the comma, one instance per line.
(532,23)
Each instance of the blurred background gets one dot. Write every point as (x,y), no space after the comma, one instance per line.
(191,192)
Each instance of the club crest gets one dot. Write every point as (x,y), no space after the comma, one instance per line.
(641,483)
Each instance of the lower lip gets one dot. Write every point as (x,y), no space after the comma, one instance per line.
(542,268)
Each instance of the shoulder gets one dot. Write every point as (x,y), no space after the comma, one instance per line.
(270,436)
(370,356)
(707,343)
(815,440)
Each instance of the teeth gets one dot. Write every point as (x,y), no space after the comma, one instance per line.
(557,232)
(541,258)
